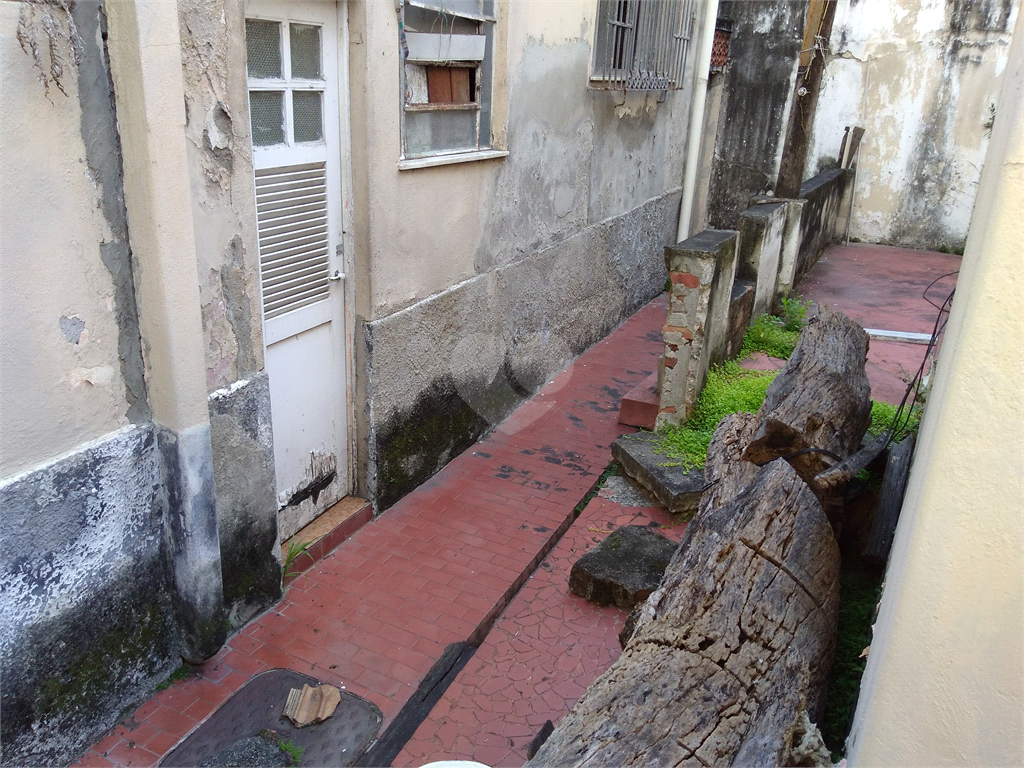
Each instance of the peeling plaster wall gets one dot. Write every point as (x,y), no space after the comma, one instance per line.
(68,309)
(223,197)
(921,76)
(764,52)
(224,219)
(536,256)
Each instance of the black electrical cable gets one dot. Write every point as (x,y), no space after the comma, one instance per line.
(939,326)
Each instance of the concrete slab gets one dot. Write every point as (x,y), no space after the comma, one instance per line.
(678,489)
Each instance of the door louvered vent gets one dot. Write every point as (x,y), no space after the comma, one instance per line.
(291,213)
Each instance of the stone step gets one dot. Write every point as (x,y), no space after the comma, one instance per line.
(675,487)
(640,405)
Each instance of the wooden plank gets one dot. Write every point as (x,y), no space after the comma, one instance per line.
(439,85)
(460,85)
(894,486)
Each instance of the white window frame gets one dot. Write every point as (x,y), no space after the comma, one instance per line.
(642,45)
(461,50)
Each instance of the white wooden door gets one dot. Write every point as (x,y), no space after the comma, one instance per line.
(293,75)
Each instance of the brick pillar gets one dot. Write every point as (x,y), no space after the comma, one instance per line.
(702,269)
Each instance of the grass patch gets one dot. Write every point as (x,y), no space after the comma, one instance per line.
(859,595)
(882,415)
(184,672)
(766,334)
(729,389)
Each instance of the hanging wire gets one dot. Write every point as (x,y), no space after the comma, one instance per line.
(912,388)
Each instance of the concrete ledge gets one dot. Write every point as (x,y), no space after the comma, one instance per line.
(678,489)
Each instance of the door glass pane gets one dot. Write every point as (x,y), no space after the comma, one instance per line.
(263,48)
(267,117)
(305,42)
(307,115)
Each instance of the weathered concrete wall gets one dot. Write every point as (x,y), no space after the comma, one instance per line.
(243,473)
(86,620)
(944,683)
(922,77)
(223,197)
(823,217)
(761,229)
(764,55)
(72,366)
(702,270)
(537,255)
(219,157)
(111,565)
(447,369)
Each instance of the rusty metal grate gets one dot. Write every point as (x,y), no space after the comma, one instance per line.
(338,741)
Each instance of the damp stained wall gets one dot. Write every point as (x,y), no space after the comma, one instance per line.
(764,53)
(61,379)
(922,77)
(477,281)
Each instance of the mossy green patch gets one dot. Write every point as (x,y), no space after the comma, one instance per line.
(729,389)
(883,416)
(101,666)
(768,334)
(859,595)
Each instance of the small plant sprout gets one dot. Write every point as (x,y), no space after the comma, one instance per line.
(296,549)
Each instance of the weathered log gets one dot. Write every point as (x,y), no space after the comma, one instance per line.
(819,406)
(742,625)
(837,476)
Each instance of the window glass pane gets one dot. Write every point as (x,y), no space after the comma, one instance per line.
(267,117)
(263,48)
(432,132)
(305,43)
(307,115)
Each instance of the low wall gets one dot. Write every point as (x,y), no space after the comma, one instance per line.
(445,370)
(824,214)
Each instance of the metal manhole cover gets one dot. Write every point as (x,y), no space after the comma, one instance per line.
(339,740)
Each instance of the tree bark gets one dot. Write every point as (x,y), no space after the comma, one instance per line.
(820,400)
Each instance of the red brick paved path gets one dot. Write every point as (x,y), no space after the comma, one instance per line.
(548,646)
(376,613)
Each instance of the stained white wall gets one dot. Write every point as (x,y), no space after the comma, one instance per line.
(59,386)
(921,76)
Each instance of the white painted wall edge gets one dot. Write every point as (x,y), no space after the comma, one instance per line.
(693,136)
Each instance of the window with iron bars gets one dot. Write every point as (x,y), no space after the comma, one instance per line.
(641,45)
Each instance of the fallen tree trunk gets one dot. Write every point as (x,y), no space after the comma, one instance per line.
(818,408)
(737,641)
(729,659)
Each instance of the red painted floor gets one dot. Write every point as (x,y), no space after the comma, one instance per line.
(882,288)
(548,646)
(375,613)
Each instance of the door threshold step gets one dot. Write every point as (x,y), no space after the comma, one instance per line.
(326,532)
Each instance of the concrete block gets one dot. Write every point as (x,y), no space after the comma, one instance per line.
(761,234)
(675,487)
(639,407)
(741,310)
(624,568)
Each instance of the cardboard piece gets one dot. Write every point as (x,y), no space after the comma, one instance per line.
(310,705)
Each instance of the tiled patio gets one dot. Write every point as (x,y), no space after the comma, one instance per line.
(448,561)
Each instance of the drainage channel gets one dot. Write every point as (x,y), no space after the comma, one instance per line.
(444,671)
